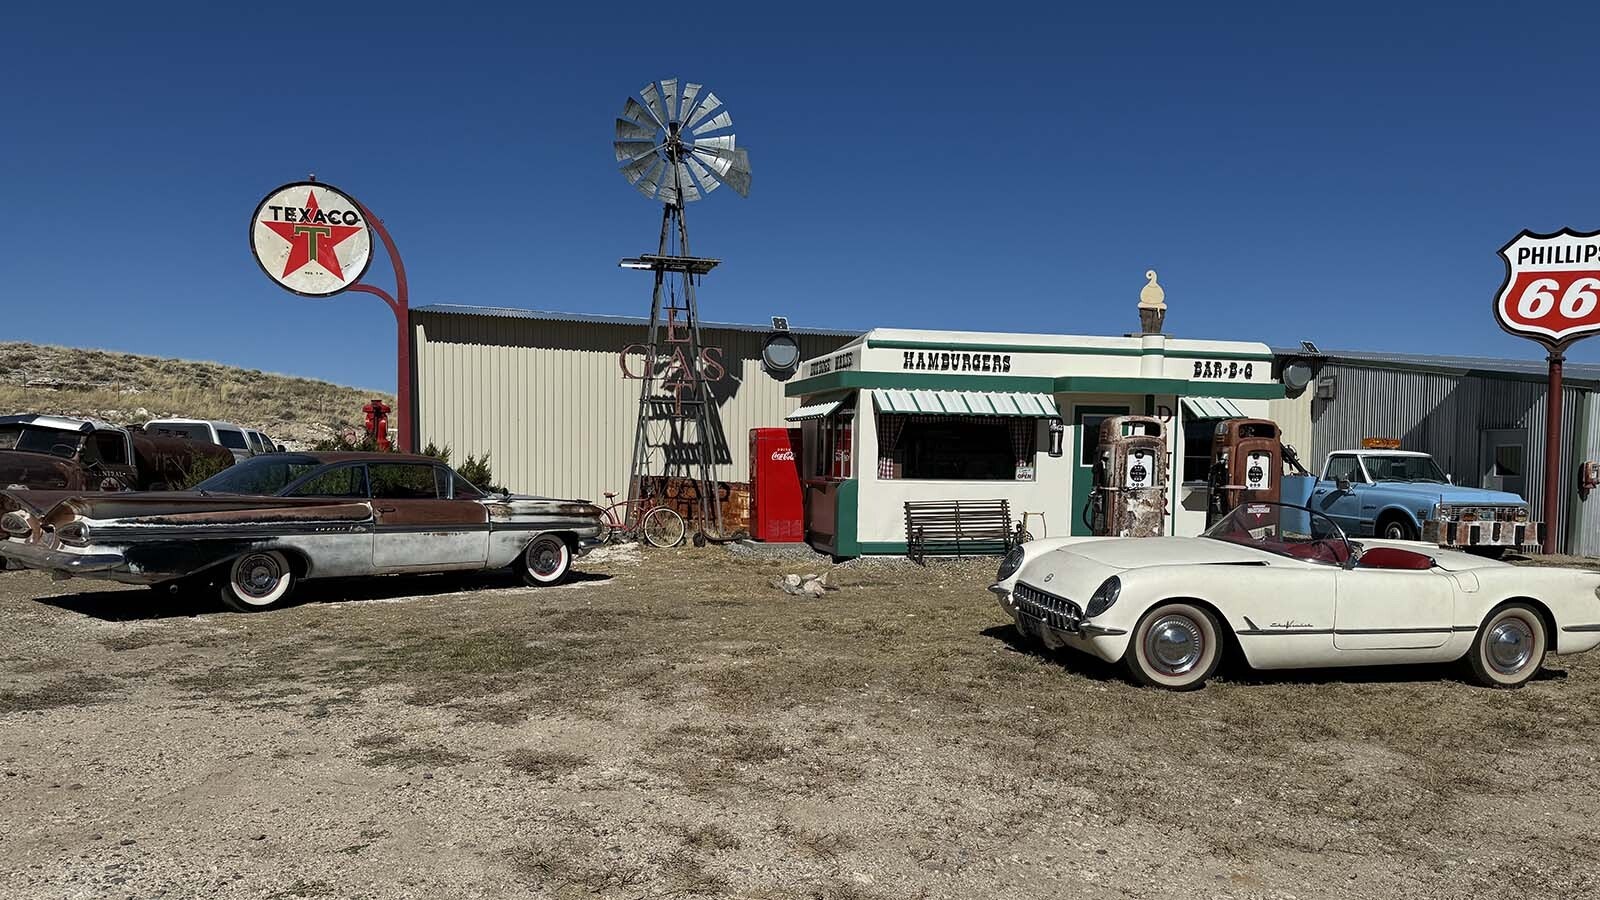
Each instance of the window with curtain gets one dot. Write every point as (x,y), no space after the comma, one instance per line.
(833,455)
(956,448)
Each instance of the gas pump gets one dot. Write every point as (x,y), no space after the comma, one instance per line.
(1246,464)
(1130,478)
(376,421)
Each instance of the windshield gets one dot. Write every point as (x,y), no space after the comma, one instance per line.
(262,476)
(33,439)
(1404,468)
(1292,531)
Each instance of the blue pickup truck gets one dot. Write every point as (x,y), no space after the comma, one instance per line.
(1403,495)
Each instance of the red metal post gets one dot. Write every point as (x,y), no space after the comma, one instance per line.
(400,305)
(1552,452)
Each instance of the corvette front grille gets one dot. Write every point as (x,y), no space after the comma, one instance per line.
(1057,612)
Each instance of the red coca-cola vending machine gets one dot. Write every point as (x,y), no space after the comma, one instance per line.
(777,505)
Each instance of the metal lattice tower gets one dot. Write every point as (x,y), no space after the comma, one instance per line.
(677,149)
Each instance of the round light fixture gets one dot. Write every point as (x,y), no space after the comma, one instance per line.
(780,355)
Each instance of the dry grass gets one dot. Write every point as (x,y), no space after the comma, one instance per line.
(545,765)
(116,386)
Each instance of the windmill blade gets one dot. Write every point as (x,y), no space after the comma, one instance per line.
(686,186)
(632,110)
(652,97)
(630,150)
(718,164)
(690,92)
(651,182)
(669,95)
(627,129)
(635,170)
(705,179)
(719,145)
(706,106)
(720,121)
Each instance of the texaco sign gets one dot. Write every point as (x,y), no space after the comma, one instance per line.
(311,239)
(1552,287)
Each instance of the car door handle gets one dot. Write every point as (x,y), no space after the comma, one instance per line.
(386,509)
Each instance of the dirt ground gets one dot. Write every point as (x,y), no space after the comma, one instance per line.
(677,727)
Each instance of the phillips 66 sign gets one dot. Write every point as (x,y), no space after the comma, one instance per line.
(1552,287)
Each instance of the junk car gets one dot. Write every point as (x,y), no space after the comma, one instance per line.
(258,528)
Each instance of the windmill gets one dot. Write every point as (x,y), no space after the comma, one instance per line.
(676,147)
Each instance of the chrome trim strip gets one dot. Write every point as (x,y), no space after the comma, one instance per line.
(1590,628)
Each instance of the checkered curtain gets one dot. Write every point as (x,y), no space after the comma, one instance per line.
(1023,432)
(889,428)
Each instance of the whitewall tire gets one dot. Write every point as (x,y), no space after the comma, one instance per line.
(546,561)
(1175,646)
(1509,648)
(258,580)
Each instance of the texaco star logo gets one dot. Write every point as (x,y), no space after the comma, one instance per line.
(311,238)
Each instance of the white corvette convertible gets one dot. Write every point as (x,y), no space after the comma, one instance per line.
(1286,588)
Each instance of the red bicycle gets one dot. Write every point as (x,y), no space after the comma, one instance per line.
(640,518)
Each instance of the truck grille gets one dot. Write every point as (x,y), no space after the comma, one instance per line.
(1057,612)
(1483,513)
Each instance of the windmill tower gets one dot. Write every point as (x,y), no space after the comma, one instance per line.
(677,148)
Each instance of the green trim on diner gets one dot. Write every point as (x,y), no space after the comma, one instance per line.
(1031,384)
(1216,354)
(845,521)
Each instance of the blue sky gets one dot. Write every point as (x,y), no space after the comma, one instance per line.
(1344,176)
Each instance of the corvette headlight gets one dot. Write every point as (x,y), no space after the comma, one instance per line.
(1010,564)
(1104,597)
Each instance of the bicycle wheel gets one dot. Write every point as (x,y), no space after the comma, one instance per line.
(662,527)
(607,531)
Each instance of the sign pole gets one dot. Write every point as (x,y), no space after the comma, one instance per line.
(400,305)
(1552,450)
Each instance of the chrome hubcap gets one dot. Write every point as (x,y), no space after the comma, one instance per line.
(1173,644)
(258,575)
(546,558)
(1509,646)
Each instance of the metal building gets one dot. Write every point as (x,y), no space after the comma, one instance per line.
(544,394)
(1483,420)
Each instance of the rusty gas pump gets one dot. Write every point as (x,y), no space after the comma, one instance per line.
(376,421)
(1246,464)
(1130,478)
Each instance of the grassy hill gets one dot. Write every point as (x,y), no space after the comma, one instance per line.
(128,389)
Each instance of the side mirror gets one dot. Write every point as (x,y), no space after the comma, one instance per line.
(1342,485)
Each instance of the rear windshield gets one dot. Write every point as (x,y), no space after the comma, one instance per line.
(39,440)
(232,439)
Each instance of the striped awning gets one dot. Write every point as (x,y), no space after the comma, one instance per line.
(813,411)
(1211,408)
(966,403)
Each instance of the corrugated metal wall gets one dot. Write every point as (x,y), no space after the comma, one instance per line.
(1446,415)
(1293,415)
(547,399)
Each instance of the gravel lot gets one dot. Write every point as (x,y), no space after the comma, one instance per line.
(672,725)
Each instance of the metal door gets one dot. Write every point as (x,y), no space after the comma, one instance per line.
(1085,448)
(1392,609)
(416,529)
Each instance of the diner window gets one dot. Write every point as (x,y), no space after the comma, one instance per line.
(957,448)
(833,458)
(1197,437)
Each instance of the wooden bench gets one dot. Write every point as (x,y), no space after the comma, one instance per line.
(958,528)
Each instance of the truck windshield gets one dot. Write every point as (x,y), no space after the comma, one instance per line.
(1404,468)
(32,439)
(262,476)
